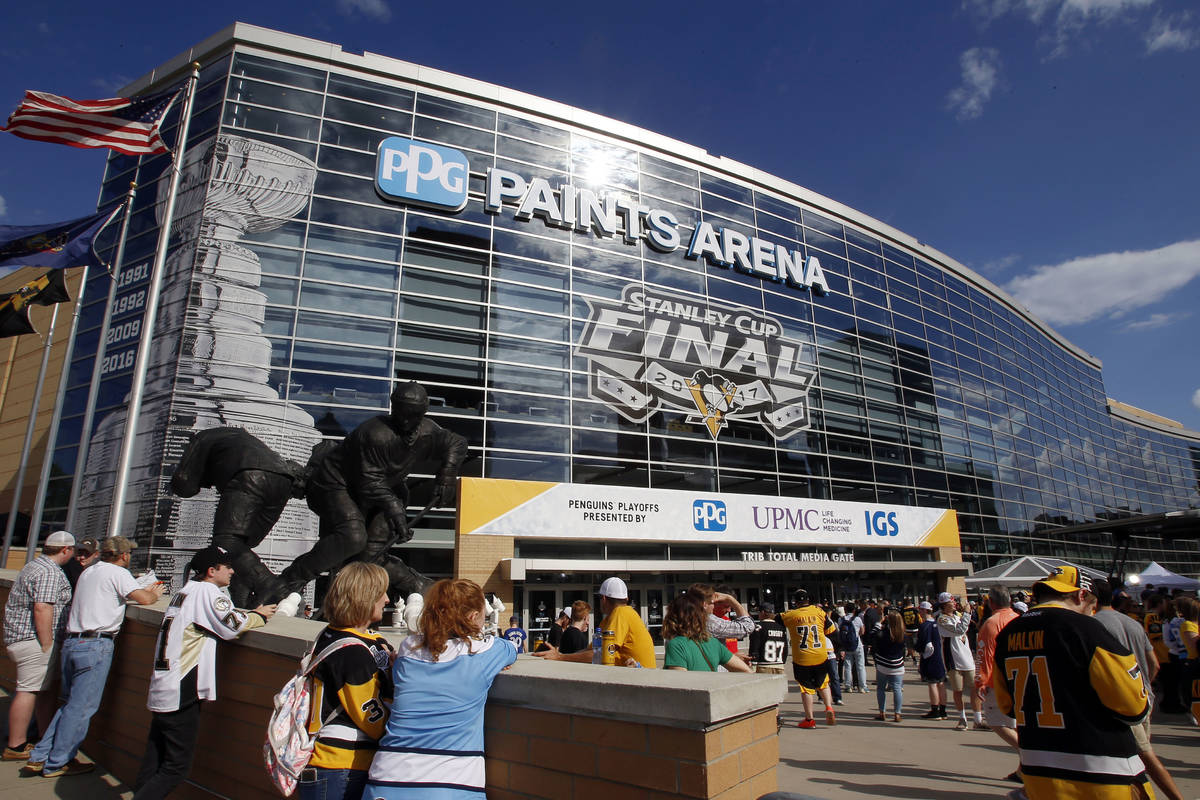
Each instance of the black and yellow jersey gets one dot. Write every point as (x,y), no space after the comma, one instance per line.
(356,683)
(1074,690)
(911,617)
(808,626)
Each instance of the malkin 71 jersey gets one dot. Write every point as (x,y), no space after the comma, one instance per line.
(808,627)
(1074,690)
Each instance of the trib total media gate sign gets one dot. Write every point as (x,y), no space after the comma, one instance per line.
(536,510)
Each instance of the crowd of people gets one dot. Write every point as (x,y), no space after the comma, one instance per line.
(1066,677)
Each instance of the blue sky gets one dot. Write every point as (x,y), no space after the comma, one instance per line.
(1050,145)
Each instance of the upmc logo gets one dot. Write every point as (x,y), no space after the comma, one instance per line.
(708,515)
(422,173)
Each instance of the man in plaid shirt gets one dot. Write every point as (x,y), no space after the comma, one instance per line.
(33,626)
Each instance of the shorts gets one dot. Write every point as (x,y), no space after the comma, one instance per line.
(811,677)
(959,678)
(769,669)
(34,667)
(1141,735)
(992,715)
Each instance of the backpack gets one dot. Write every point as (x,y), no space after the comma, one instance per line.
(289,745)
(847,636)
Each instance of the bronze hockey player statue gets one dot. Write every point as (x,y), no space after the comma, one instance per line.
(358,491)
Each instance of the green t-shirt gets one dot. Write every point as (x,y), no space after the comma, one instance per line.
(683,652)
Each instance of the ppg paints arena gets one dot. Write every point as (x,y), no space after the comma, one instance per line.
(669,366)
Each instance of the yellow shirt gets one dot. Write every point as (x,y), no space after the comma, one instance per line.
(808,626)
(624,635)
(1190,644)
(1154,632)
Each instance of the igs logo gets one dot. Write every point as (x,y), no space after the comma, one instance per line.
(708,515)
(422,173)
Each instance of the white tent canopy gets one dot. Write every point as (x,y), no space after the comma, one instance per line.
(1160,577)
(1022,573)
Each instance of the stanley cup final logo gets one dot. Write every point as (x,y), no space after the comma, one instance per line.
(715,362)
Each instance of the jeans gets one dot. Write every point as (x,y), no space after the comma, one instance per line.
(858,667)
(169,750)
(332,784)
(835,688)
(893,682)
(85,664)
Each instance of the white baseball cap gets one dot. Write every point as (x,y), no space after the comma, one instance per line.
(566,612)
(945,597)
(60,539)
(615,589)
(925,606)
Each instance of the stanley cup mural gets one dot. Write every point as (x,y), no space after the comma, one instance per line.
(210,362)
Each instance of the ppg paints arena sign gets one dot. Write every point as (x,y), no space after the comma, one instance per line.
(646,352)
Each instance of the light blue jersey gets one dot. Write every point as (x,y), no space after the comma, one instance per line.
(433,745)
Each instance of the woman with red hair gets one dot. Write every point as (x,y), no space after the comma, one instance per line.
(433,744)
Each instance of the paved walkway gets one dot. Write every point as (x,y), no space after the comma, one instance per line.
(859,758)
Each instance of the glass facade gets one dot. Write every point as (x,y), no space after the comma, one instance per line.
(929,387)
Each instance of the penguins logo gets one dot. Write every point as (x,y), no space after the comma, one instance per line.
(714,398)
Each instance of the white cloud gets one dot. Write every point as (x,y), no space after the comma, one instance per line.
(1171,34)
(1000,265)
(371,9)
(1063,21)
(980,74)
(1196,398)
(1106,285)
(3,207)
(43,27)
(1159,320)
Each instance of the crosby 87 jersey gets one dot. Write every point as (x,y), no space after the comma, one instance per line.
(185,654)
(1074,690)
(769,643)
(808,627)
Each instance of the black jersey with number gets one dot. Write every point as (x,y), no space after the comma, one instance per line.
(769,643)
(1074,690)
(352,691)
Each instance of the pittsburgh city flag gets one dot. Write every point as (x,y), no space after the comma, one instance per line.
(127,125)
(58,245)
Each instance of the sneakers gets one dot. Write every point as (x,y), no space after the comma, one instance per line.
(807,724)
(32,768)
(830,717)
(838,703)
(961,725)
(18,754)
(72,767)
(932,713)
(981,726)
(896,718)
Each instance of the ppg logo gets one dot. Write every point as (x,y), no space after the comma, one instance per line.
(422,173)
(708,515)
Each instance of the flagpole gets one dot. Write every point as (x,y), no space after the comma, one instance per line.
(89,413)
(35,517)
(142,365)
(19,481)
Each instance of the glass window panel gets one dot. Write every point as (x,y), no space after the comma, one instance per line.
(530,246)
(454,135)
(279,291)
(278,71)
(354,243)
(527,468)
(536,131)
(467,113)
(340,298)
(438,368)
(456,286)
(441,312)
(275,122)
(668,190)
(370,91)
(609,473)
(515,378)
(528,406)
(527,297)
(439,340)
(361,273)
(342,389)
(343,135)
(352,215)
(526,324)
(277,260)
(540,354)
(345,187)
(336,328)
(281,97)
(394,122)
(515,269)
(535,153)
(339,358)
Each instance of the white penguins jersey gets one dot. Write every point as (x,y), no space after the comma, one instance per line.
(185,654)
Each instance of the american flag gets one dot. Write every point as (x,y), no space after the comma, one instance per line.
(127,125)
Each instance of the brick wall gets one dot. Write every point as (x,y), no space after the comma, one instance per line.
(478,558)
(543,754)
